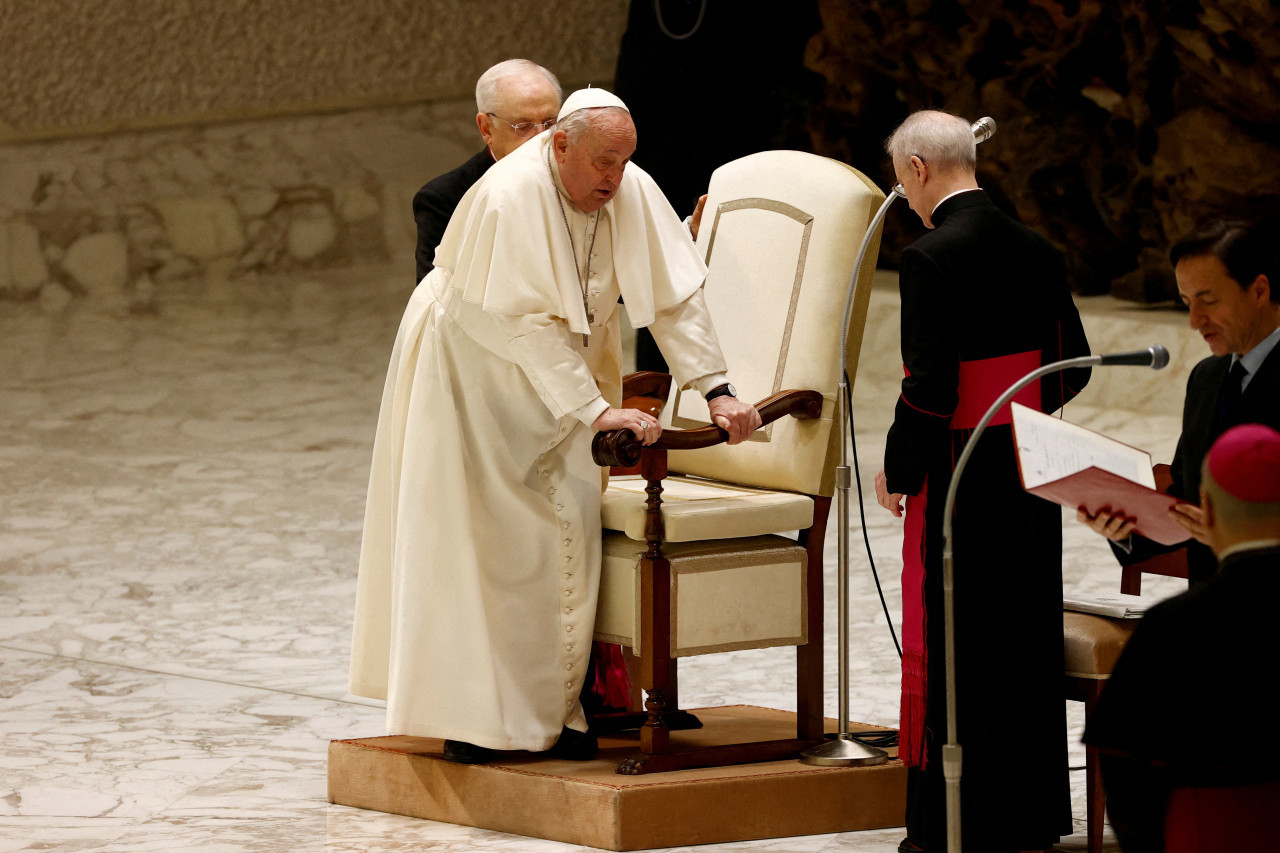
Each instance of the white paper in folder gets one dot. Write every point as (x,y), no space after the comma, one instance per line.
(1050,448)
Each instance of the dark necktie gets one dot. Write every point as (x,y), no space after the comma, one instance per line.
(1229,399)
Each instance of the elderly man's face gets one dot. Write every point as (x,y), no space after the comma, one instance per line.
(591,168)
(1230,318)
(528,99)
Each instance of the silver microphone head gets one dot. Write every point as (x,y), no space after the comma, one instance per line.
(1159,356)
(983,129)
(899,191)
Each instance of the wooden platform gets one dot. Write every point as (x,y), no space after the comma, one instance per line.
(587,803)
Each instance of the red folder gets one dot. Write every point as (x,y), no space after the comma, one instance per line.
(1095,489)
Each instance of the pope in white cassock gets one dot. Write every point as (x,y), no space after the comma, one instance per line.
(480,562)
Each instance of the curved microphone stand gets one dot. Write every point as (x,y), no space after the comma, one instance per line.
(844,750)
(1154,357)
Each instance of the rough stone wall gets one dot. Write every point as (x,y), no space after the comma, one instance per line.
(1121,123)
(146,143)
(88,65)
(114,217)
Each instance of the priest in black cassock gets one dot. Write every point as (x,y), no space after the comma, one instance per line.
(984,302)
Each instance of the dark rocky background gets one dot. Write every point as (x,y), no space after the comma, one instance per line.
(1121,124)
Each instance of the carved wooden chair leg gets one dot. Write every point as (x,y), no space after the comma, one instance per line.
(810,721)
(655,737)
(1095,796)
(677,718)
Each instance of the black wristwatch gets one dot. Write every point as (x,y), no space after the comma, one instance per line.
(725,390)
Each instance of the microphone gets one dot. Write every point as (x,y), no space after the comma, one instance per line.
(983,129)
(1155,357)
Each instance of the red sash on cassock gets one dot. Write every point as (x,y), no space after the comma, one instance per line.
(980,383)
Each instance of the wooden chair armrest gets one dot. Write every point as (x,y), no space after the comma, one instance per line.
(1172,565)
(646,383)
(620,448)
(651,406)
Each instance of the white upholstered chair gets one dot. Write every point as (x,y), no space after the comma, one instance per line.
(697,562)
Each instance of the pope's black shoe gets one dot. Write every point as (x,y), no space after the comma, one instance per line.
(575,746)
(461,752)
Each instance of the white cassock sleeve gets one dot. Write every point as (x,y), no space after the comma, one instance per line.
(688,341)
(547,352)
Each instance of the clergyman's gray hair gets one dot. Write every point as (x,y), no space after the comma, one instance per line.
(942,140)
(487,85)
(578,122)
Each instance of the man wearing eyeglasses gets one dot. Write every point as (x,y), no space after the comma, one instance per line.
(515,101)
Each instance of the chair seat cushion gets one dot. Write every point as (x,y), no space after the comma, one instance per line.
(1094,643)
(725,595)
(694,510)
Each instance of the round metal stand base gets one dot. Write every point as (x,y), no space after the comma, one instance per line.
(844,751)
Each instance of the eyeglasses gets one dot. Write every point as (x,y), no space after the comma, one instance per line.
(526,126)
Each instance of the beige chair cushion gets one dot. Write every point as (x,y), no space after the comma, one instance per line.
(694,510)
(1094,643)
(726,595)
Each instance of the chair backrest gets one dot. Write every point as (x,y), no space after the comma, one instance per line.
(780,235)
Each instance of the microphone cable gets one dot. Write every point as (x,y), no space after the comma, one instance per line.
(881,739)
(862,517)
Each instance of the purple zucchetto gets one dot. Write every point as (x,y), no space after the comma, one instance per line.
(1245,463)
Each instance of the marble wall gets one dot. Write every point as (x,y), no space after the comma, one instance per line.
(150,144)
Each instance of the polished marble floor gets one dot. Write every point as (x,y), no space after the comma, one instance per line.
(182,491)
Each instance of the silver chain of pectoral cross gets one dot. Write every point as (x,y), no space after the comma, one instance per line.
(583,278)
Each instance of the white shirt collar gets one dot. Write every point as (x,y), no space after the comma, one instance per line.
(1254,358)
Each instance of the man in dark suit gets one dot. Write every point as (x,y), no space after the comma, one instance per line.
(1226,275)
(1195,664)
(515,101)
(984,302)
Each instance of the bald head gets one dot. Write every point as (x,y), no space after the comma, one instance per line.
(941,139)
(516,100)
(934,154)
